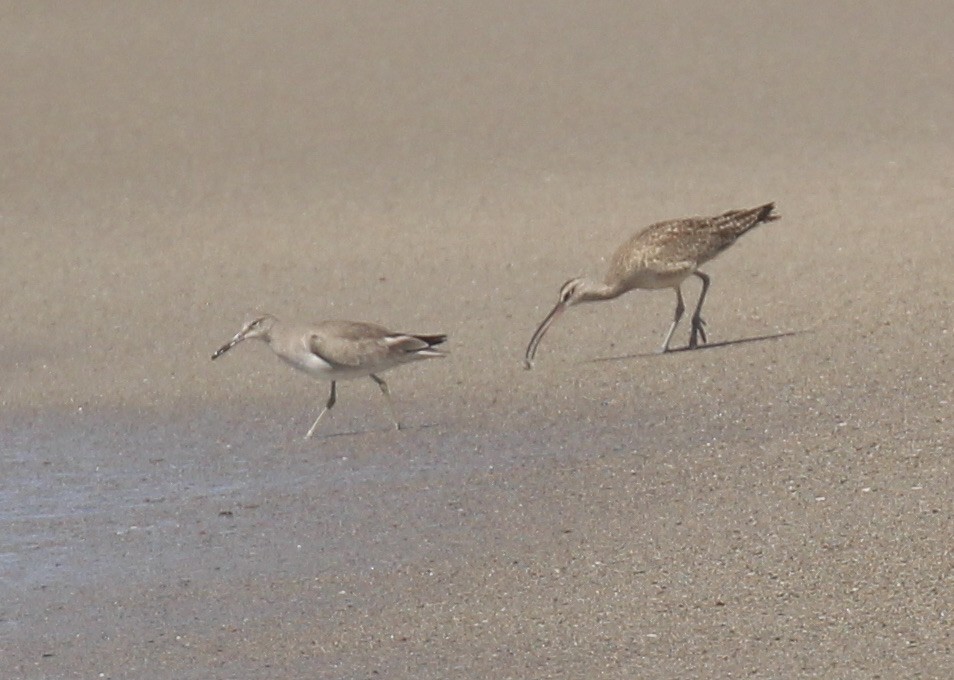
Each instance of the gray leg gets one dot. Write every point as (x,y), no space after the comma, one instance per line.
(698,325)
(387,395)
(680,308)
(331,402)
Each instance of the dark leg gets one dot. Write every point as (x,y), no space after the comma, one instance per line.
(680,309)
(698,325)
(331,402)
(387,395)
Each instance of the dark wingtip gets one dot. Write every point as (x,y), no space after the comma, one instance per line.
(432,340)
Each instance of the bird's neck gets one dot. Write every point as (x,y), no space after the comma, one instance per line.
(601,291)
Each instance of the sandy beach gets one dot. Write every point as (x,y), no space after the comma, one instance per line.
(777,504)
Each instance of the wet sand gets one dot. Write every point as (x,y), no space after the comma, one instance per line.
(777,504)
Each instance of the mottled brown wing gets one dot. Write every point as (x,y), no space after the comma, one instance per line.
(690,240)
(674,245)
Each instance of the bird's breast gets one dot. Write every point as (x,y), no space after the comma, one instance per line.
(650,278)
(309,363)
(316,367)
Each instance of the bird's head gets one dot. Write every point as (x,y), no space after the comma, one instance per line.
(259,327)
(572,292)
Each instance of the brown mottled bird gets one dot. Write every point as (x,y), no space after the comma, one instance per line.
(662,255)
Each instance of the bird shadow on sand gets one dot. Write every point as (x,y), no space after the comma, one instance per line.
(376,430)
(711,345)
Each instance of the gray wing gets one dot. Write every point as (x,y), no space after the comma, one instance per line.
(353,343)
(349,343)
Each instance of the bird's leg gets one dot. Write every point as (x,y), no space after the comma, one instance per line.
(680,309)
(698,325)
(387,395)
(328,405)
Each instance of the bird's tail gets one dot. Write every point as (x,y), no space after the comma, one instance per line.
(737,222)
(432,340)
(766,213)
(417,346)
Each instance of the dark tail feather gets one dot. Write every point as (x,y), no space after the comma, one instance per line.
(432,340)
(736,222)
(766,213)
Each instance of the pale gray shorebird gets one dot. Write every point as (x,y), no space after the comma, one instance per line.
(339,350)
(662,255)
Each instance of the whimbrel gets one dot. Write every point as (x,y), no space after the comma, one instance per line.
(339,350)
(662,255)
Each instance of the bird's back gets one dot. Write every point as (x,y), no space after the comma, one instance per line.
(682,245)
(355,343)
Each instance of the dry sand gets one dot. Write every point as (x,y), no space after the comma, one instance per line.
(777,508)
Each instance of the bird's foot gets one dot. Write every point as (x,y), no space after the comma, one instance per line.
(698,332)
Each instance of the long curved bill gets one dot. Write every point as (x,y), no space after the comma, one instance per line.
(227,346)
(541,330)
